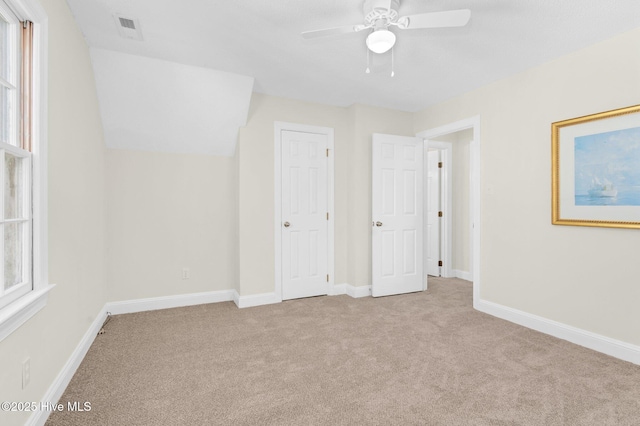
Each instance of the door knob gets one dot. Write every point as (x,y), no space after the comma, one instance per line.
(378,223)
(287,224)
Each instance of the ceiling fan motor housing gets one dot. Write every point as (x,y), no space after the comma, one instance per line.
(380,13)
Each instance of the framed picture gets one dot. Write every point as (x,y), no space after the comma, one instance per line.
(596,170)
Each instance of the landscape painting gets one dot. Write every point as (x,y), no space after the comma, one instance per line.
(595,169)
(607,168)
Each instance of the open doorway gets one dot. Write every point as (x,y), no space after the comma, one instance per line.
(448,206)
(456,146)
(434,207)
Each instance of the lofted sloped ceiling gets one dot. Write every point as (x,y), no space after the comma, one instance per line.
(261,39)
(154,105)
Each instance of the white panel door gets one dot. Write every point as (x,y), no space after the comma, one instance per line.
(304,215)
(397,215)
(433,209)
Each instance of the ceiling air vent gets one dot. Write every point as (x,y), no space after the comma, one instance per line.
(127,23)
(128,27)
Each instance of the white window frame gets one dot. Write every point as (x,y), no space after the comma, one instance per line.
(26,285)
(19,311)
(13,82)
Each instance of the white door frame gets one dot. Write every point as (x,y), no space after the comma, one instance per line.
(474,193)
(446,196)
(279,127)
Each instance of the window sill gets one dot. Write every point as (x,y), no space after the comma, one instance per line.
(19,312)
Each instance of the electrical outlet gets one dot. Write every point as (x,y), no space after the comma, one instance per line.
(186,273)
(26,372)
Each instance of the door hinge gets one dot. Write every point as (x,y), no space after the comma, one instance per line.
(327,215)
(327,152)
(439,214)
(439,262)
(327,277)
(439,164)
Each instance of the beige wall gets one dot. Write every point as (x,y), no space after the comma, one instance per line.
(256,184)
(159,220)
(165,212)
(461,226)
(353,128)
(584,277)
(236,219)
(76,221)
(365,121)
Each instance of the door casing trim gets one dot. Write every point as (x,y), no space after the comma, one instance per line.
(474,192)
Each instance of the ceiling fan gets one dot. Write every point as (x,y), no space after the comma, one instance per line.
(379,15)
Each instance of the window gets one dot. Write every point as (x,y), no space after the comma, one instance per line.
(23,271)
(15,167)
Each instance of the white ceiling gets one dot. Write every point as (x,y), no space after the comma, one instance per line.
(262,39)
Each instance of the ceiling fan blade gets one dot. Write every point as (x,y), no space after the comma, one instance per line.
(450,18)
(332,31)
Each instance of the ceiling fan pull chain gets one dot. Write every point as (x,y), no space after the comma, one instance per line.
(368,70)
(392,63)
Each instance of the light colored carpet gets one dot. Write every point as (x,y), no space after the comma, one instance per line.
(423,358)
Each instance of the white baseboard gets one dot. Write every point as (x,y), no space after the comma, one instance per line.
(255,299)
(463,275)
(338,289)
(57,388)
(166,302)
(270,298)
(348,289)
(615,348)
(359,291)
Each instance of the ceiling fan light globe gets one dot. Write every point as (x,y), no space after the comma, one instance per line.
(381,41)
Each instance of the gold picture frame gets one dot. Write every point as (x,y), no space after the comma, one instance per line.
(595,165)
